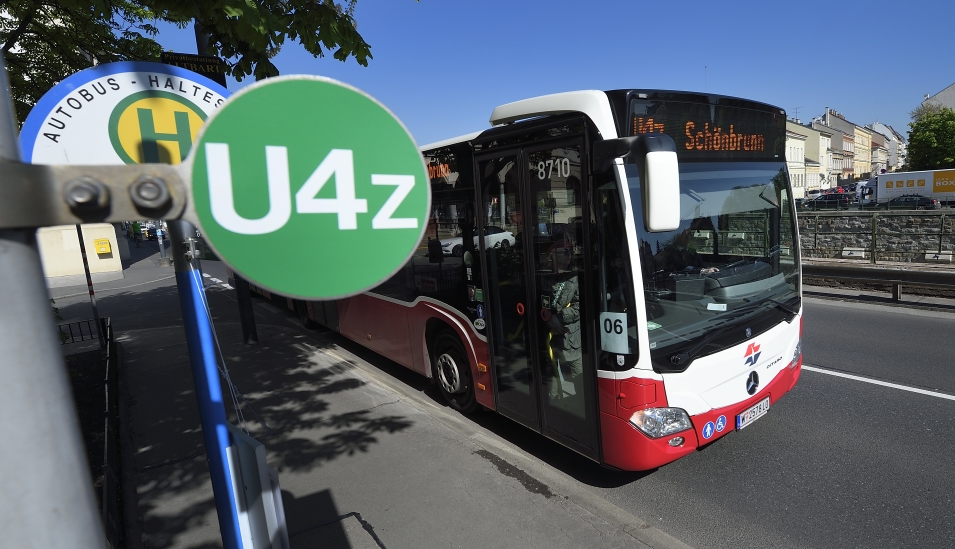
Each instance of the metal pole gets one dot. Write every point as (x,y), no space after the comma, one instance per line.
(89,284)
(46,494)
(205,374)
(246,314)
(243,295)
(159,237)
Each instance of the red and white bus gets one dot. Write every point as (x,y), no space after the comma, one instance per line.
(630,305)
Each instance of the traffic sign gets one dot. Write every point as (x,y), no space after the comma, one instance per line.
(309,187)
(129,112)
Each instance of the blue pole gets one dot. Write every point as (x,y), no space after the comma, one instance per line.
(205,374)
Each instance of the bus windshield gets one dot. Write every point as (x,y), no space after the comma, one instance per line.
(731,264)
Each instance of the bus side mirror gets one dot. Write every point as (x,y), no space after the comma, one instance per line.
(654,155)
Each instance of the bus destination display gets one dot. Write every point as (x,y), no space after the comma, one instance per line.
(708,132)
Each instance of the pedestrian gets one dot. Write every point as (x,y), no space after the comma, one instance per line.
(137,233)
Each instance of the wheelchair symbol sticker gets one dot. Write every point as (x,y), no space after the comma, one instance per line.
(720,424)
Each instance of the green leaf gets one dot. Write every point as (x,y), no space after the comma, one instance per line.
(44,41)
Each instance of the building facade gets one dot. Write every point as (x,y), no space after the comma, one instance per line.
(944,98)
(894,143)
(850,153)
(835,152)
(796,161)
(880,154)
(862,165)
(818,156)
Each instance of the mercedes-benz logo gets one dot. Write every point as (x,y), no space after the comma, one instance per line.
(752,383)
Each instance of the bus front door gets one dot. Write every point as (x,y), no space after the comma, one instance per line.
(536,284)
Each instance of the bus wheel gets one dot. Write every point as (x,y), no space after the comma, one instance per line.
(301,309)
(452,371)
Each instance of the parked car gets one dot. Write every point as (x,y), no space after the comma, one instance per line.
(912,202)
(494,237)
(832,201)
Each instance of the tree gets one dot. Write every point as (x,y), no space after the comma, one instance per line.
(932,140)
(923,109)
(44,41)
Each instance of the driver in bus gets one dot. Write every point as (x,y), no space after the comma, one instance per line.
(563,324)
(680,254)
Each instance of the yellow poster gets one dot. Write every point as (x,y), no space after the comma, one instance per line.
(944,181)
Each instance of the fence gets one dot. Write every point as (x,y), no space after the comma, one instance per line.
(883,236)
(112,523)
(73,332)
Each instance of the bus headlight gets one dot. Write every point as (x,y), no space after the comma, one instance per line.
(660,422)
(797,353)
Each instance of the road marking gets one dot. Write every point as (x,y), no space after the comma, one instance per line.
(101,290)
(882,383)
(217,281)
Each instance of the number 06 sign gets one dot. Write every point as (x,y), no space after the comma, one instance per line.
(309,188)
(613,333)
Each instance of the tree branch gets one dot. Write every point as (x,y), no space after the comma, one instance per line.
(18,32)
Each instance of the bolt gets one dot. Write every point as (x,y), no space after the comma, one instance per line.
(86,194)
(150,193)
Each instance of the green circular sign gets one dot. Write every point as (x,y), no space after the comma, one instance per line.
(309,187)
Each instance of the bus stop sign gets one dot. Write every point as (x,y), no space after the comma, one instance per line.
(309,188)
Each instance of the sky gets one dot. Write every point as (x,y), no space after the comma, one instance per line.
(441,66)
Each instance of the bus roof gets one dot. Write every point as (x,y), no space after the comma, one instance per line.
(593,103)
(598,106)
(452,141)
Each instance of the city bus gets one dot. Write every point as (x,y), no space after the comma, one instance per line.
(618,271)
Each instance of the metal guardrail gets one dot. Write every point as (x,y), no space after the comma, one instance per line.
(894,275)
(880,274)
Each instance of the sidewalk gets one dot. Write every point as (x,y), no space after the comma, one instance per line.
(365,460)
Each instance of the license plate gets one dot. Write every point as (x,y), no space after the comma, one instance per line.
(757,411)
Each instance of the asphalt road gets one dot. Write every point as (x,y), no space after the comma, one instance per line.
(838,462)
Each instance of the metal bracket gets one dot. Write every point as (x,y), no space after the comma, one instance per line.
(193,250)
(42,196)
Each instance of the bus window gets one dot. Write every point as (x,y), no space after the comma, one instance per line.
(615,282)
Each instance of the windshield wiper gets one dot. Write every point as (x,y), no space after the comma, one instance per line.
(683,358)
(785,306)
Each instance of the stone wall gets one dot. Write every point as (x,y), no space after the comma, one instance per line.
(899,236)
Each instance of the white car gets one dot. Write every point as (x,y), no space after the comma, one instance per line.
(495,237)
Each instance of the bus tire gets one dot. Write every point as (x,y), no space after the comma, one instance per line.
(452,370)
(301,309)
